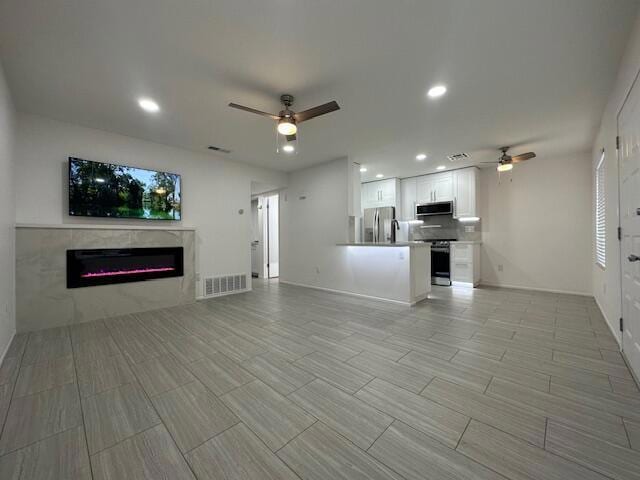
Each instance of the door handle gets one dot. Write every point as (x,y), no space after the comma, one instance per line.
(634,258)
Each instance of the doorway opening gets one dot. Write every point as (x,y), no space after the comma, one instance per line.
(265,245)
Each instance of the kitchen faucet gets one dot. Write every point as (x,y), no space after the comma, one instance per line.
(395,225)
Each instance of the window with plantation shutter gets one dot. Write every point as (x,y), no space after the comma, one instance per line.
(600,204)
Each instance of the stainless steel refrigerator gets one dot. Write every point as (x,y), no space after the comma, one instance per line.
(379,225)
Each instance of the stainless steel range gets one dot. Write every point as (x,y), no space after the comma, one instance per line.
(441,262)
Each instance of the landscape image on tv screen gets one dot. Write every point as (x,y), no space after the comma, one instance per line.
(106,190)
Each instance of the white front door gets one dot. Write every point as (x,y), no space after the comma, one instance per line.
(629,159)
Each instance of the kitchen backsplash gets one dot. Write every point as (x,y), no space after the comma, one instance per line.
(445,227)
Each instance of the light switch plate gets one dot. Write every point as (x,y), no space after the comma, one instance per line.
(469,228)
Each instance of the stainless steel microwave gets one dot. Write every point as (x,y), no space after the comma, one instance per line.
(436,208)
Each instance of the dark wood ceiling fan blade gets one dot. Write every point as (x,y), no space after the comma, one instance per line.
(253,110)
(316,111)
(291,138)
(523,157)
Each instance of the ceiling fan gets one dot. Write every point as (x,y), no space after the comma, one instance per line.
(288,119)
(505,163)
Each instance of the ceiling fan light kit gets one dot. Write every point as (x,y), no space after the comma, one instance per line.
(288,120)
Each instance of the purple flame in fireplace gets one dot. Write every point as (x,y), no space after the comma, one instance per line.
(127,272)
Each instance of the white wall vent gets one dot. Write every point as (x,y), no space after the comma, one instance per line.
(224,285)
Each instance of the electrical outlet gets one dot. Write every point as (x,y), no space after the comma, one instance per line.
(470,228)
(401,255)
(500,268)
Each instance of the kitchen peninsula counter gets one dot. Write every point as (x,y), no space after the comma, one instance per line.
(398,272)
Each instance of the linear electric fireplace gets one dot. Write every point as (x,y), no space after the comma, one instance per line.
(104,266)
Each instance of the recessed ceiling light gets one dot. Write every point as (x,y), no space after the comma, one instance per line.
(421,156)
(288,148)
(148,105)
(441,167)
(437,91)
(363,169)
(379,175)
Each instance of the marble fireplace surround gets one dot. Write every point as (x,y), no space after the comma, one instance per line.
(43,299)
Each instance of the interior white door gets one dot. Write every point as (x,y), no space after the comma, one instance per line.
(629,167)
(273,236)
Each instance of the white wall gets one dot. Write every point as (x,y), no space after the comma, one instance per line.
(536,223)
(313,213)
(7,218)
(214,189)
(606,283)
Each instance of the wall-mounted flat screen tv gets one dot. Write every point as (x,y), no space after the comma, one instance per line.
(106,190)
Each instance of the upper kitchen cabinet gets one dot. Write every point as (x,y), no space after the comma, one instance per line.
(409,195)
(465,192)
(383,193)
(435,188)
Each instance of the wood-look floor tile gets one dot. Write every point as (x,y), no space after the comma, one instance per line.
(568,412)
(271,416)
(319,454)
(521,375)
(237,454)
(499,414)
(90,350)
(116,414)
(555,369)
(237,348)
(633,431)
(220,374)
(428,347)
(193,415)
(599,366)
(600,399)
(331,348)
(9,370)
(545,353)
(138,348)
(471,346)
(393,372)
(39,377)
(188,348)
(89,331)
(45,349)
(337,373)
(465,376)
(162,374)
(380,348)
(17,346)
(39,416)
(517,459)
(277,372)
(103,374)
(603,457)
(61,456)
(148,455)
(624,386)
(421,413)
(417,456)
(344,413)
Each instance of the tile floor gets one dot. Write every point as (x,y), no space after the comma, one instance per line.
(288,383)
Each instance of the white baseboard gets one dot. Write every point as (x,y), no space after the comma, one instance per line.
(611,326)
(352,294)
(546,290)
(6,349)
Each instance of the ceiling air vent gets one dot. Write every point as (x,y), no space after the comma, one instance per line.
(218,149)
(456,157)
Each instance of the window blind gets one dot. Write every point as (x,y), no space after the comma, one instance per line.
(600,206)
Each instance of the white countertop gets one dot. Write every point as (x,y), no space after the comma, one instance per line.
(469,242)
(397,244)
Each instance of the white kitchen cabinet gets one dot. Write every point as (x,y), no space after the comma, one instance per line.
(465,264)
(465,192)
(408,193)
(443,187)
(383,193)
(437,187)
